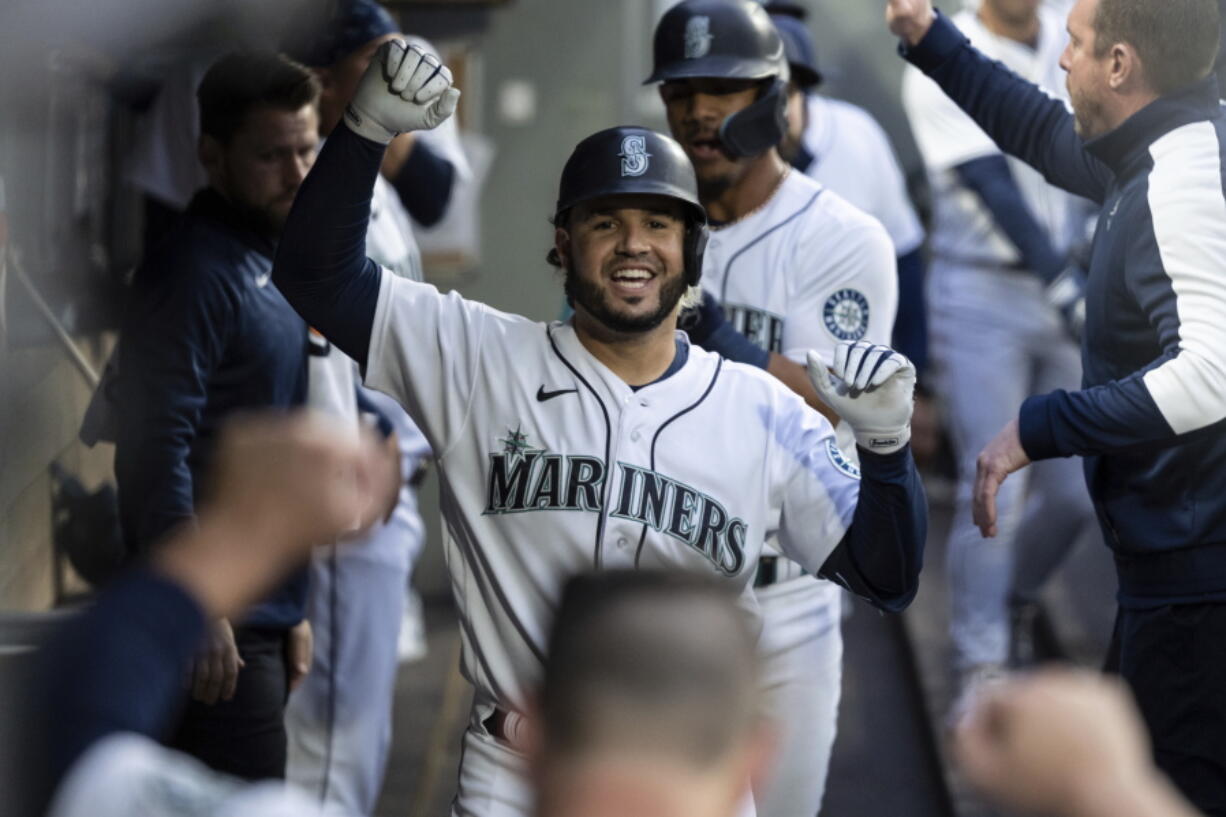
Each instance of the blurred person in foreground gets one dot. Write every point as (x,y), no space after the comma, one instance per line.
(649,704)
(206,333)
(1066,744)
(1145,140)
(277,485)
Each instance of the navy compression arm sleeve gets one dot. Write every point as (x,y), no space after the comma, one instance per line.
(910,335)
(991,180)
(882,552)
(119,666)
(321,267)
(425,184)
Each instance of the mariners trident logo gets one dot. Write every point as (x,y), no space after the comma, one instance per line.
(698,37)
(634,156)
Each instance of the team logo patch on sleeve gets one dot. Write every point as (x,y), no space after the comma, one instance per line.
(846,314)
(840,459)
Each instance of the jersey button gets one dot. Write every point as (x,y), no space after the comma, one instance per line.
(623,542)
(634,435)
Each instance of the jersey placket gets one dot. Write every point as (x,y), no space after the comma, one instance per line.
(632,444)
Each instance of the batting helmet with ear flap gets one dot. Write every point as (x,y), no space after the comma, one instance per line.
(636,161)
(728,39)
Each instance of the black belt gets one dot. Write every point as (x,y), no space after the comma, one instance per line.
(768,571)
(505,727)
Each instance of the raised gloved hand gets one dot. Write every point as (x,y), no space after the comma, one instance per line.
(1067,295)
(871,387)
(403,89)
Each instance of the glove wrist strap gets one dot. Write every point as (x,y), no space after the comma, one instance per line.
(883,442)
(366,127)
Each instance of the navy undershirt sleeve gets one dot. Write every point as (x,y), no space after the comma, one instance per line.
(425,183)
(707,327)
(119,666)
(910,334)
(321,266)
(882,552)
(990,178)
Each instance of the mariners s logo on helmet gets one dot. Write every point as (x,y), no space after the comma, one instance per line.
(634,155)
(697,37)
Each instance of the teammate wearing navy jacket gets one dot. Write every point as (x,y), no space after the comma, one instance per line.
(206,334)
(1145,141)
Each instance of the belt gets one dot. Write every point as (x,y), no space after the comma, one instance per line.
(507,727)
(773,569)
(768,571)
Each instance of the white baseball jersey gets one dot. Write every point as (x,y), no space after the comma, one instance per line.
(852,156)
(804,271)
(962,228)
(551,465)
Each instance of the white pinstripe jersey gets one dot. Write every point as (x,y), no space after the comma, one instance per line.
(551,465)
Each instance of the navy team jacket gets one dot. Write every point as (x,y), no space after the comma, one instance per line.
(205,333)
(1150,418)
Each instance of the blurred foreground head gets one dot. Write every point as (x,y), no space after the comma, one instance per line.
(650,699)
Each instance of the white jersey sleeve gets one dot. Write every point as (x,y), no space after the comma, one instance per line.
(129,775)
(820,485)
(846,289)
(425,351)
(945,135)
(853,157)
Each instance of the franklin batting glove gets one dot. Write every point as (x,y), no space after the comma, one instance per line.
(403,89)
(872,388)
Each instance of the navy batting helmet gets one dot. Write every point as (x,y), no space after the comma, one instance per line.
(800,50)
(730,39)
(634,160)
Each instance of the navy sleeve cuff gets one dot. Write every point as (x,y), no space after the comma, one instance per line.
(892,466)
(942,41)
(1034,427)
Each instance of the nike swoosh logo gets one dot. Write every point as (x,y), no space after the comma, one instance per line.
(543,395)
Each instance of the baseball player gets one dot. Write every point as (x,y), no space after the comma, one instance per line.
(607,441)
(795,268)
(1001,238)
(842,147)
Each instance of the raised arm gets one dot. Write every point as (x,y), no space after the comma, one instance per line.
(1022,119)
(321,266)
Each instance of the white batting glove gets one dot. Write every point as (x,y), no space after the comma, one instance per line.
(403,89)
(872,388)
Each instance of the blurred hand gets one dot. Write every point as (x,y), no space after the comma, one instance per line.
(1000,457)
(215,671)
(404,89)
(1055,742)
(278,484)
(298,651)
(909,20)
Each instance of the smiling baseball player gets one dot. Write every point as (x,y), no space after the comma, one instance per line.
(607,441)
(795,268)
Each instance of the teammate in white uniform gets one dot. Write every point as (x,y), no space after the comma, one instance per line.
(795,268)
(999,233)
(842,147)
(605,441)
(339,718)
